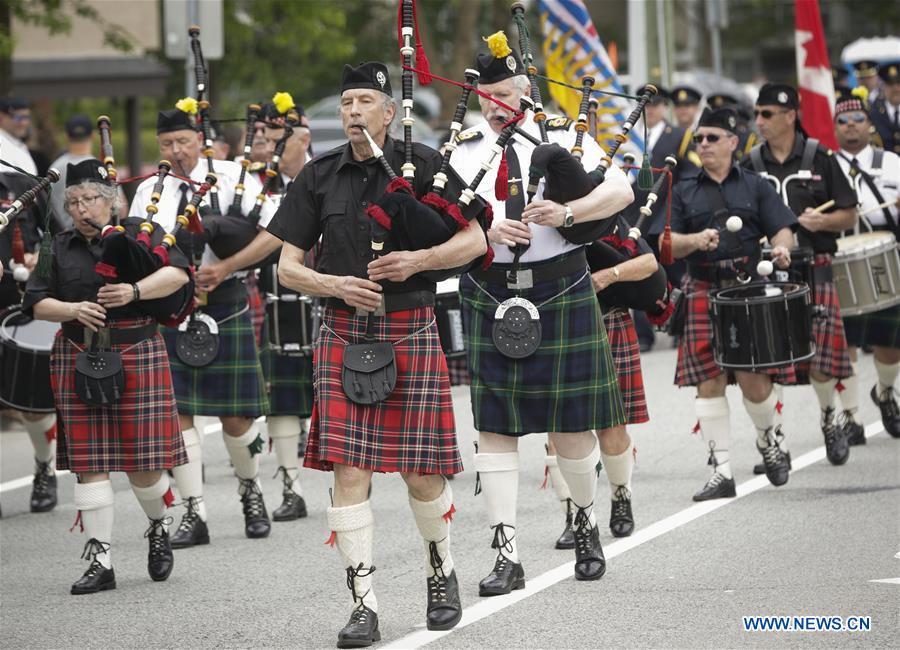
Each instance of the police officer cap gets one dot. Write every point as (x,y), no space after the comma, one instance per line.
(90,170)
(501,62)
(174,119)
(685,95)
(718,100)
(865,68)
(889,72)
(79,127)
(723,118)
(778,95)
(371,75)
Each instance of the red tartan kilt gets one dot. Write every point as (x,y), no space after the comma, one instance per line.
(623,343)
(139,433)
(413,430)
(696,358)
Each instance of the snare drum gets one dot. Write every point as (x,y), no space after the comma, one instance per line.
(448,314)
(292,320)
(867,273)
(762,325)
(25,361)
(801,269)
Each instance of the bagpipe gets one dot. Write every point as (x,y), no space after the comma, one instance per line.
(414,223)
(253,111)
(201,74)
(12,215)
(129,259)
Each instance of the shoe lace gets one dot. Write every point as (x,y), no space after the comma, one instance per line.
(714,481)
(569,514)
(621,502)
(845,418)
(42,476)
(888,403)
(437,583)
(286,481)
(191,516)
(251,498)
(156,534)
(353,573)
(772,453)
(501,542)
(92,548)
(828,416)
(583,527)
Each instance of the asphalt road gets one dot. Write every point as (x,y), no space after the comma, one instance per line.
(817,546)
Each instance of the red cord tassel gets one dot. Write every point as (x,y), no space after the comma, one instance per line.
(50,434)
(169,498)
(424,68)
(448,516)
(18,244)
(78,522)
(839,387)
(546,478)
(778,407)
(332,539)
(501,185)
(665,246)
(696,428)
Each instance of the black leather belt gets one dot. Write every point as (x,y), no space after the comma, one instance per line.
(117,336)
(552,269)
(393,301)
(227,293)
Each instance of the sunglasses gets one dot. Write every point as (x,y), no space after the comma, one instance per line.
(767,114)
(846,119)
(711,137)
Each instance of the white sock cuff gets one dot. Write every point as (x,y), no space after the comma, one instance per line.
(586,465)
(887,372)
(244,440)
(283,426)
(155,491)
(350,518)
(550,461)
(765,407)
(711,407)
(34,427)
(435,508)
(507,462)
(93,496)
(191,437)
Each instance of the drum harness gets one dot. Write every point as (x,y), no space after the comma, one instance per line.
(857,172)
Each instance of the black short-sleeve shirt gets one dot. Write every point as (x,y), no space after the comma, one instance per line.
(745,194)
(329,197)
(827,182)
(72,275)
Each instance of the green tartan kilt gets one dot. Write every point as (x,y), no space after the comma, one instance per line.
(880,328)
(232,385)
(289,382)
(568,385)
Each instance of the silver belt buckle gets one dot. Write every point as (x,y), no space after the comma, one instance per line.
(523,280)
(103,337)
(379,310)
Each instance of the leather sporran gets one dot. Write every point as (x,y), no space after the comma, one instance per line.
(197,342)
(675,325)
(99,376)
(369,371)
(517,328)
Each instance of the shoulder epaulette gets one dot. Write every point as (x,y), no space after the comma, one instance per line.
(557,123)
(685,143)
(470,136)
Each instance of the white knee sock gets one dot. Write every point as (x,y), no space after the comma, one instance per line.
(284,432)
(433,520)
(95,503)
(155,499)
(353,527)
(618,470)
(244,451)
(43,438)
(499,475)
(825,394)
(557,482)
(850,394)
(189,477)
(713,414)
(581,476)
(763,415)
(887,375)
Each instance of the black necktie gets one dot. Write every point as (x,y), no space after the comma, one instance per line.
(182,204)
(897,117)
(515,204)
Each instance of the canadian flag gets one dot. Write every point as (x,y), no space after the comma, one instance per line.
(814,73)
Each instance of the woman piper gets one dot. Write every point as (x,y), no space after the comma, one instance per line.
(113,425)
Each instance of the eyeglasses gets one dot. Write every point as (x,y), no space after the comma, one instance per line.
(766,114)
(712,137)
(858,118)
(86,201)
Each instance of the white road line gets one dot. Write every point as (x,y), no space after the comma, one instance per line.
(24,481)
(489,606)
(888,581)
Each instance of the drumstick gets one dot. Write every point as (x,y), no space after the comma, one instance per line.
(824,206)
(882,206)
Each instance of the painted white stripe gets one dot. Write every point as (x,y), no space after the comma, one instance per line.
(888,581)
(24,481)
(489,606)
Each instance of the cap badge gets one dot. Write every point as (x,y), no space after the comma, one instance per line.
(511,63)
(102,171)
(380,78)
(782,97)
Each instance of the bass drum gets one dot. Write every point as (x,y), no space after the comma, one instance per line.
(448,315)
(25,361)
(867,273)
(762,325)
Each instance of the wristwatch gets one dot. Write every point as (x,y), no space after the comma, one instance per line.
(569,221)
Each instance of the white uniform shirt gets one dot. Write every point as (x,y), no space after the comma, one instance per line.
(887,180)
(227,173)
(15,152)
(546,241)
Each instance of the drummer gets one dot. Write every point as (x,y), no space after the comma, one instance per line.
(716,258)
(876,175)
(789,151)
(41,427)
(135,431)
